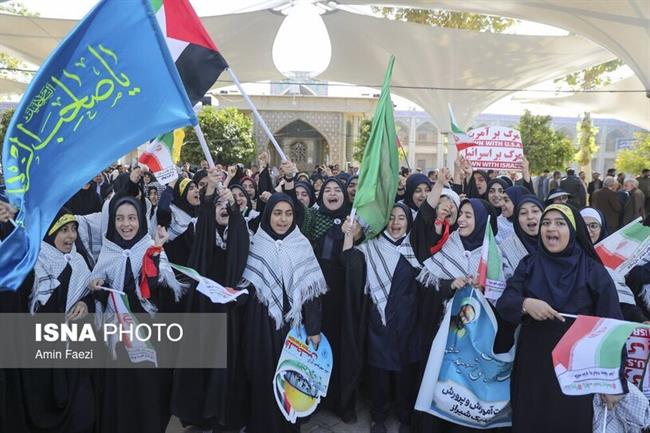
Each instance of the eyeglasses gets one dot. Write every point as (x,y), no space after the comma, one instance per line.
(593,226)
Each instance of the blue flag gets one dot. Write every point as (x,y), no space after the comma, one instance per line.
(110,86)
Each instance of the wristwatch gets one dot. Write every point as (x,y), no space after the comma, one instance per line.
(523,309)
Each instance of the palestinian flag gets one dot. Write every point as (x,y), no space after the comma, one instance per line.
(159,155)
(622,250)
(490,271)
(197,59)
(461,139)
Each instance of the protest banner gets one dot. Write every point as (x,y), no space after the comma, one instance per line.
(636,364)
(496,147)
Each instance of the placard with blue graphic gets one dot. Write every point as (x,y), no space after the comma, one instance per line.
(465,382)
(303,374)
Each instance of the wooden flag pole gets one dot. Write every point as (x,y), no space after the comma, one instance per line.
(257,115)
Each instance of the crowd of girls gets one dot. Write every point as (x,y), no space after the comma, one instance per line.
(289,241)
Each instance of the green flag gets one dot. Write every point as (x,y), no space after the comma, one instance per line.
(378,175)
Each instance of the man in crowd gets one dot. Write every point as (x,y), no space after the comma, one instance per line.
(644,186)
(573,185)
(542,185)
(606,200)
(635,201)
(594,185)
(555,182)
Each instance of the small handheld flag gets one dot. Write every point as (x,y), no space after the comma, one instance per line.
(461,139)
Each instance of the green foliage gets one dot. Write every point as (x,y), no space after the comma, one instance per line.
(587,146)
(16,8)
(5,118)
(637,157)
(593,77)
(448,19)
(359,144)
(229,133)
(544,147)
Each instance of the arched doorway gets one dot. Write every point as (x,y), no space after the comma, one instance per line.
(303,144)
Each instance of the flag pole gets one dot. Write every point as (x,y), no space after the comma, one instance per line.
(204,145)
(257,115)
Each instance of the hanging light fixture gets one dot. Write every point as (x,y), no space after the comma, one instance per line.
(302,48)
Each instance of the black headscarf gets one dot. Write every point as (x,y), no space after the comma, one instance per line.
(412,184)
(49,238)
(112,234)
(482,209)
(472,190)
(180,197)
(530,242)
(409,223)
(310,190)
(343,177)
(199,175)
(265,225)
(251,180)
(345,207)
(554,276)
(81,249)
(249,202)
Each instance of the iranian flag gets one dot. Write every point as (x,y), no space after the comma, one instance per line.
(490,268)
(587,359)
(137,349)
(197,59)
(461,139)
(159,155)
(622,250)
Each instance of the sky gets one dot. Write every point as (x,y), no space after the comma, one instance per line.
(75,9)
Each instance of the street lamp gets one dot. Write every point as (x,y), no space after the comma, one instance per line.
(302,48)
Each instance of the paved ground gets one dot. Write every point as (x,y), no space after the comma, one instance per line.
(322,422)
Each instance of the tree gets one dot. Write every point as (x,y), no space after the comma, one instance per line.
(359,144)
(448,19)
(593,77)
(637,157)
(544,147)
(5,118)
(229,133)
(587,146)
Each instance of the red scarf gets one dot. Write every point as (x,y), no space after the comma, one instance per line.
(445,235)
(149,270)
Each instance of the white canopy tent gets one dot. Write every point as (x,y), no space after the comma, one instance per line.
(11,87)
(621,26)
(631,107)
(474,67)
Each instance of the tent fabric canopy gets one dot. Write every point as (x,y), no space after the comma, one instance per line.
(11,87)
(621,26)
(361,45)
(630,107)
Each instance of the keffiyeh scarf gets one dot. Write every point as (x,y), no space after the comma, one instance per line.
(451,262)
(111,267)
(513,252)
(278,266)
(381,258)
(51,262)
(181,221)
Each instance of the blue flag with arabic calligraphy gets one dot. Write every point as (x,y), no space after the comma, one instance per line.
(110,86)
